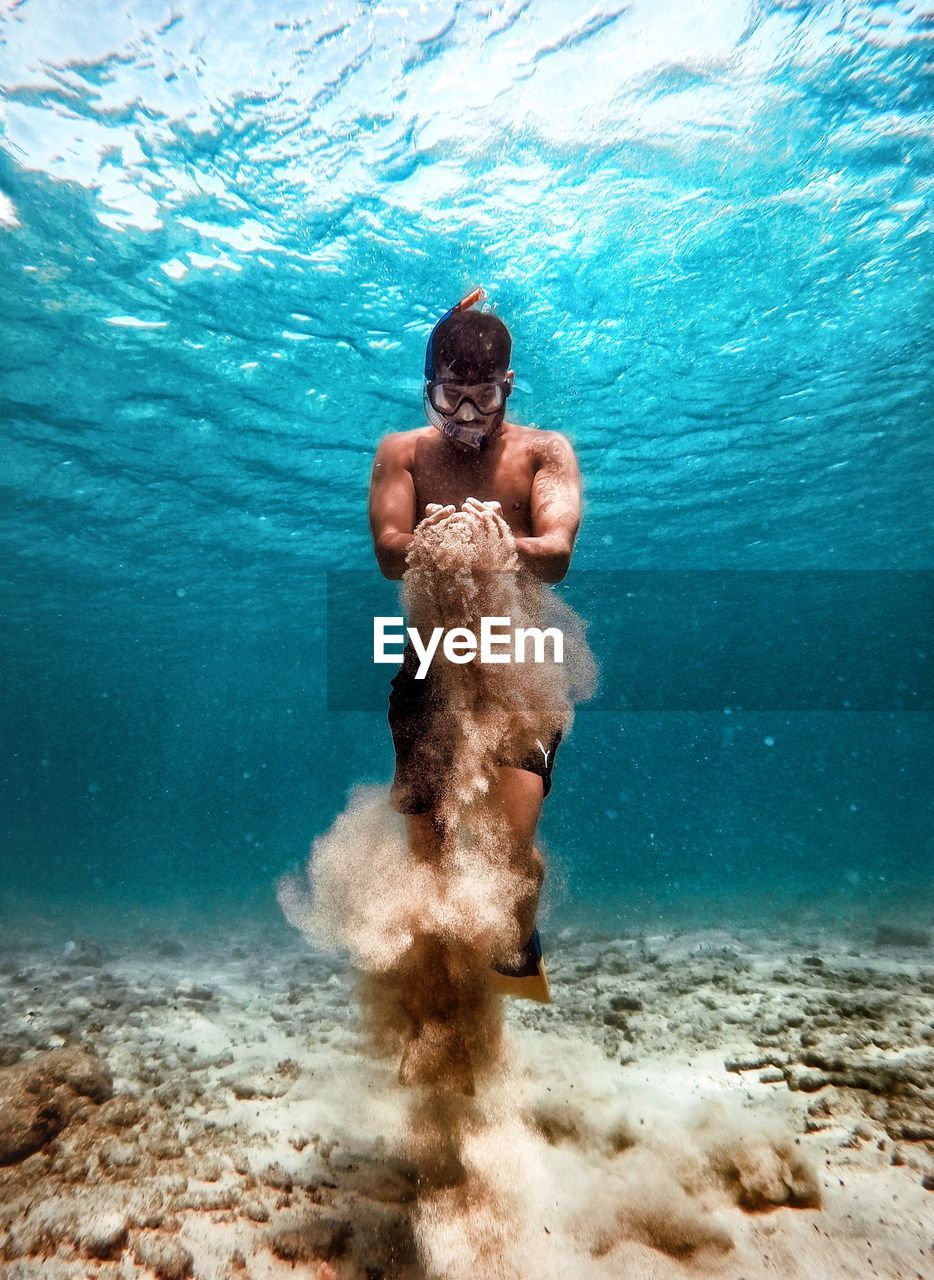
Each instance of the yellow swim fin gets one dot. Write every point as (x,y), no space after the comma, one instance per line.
(527,980)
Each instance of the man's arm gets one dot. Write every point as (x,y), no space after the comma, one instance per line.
(392,506)
(556,510)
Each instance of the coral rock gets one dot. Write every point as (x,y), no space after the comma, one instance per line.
(38,1097)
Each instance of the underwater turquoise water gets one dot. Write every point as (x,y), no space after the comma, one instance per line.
(225,233)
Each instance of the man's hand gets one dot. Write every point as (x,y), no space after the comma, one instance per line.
(482,526)
(491,514)
(435,513)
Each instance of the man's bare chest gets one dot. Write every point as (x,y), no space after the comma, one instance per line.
(506,480)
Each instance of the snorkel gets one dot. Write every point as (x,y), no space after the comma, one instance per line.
(465,433)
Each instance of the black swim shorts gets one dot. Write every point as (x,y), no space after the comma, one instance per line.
(417,721)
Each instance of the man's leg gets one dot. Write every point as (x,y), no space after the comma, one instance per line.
(515,801)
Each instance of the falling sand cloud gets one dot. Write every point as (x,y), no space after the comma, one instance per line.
(505,1177)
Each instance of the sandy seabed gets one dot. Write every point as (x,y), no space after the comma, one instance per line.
(182,1097)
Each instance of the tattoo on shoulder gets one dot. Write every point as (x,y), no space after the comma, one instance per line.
(550,450)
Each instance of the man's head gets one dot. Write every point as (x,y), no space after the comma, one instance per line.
(470,346)
(467,376)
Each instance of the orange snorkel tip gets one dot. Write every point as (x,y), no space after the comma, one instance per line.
(470,300)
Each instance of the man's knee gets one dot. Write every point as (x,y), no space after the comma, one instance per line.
(537,866)
(425,833)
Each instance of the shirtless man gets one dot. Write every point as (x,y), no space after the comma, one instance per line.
(470,464)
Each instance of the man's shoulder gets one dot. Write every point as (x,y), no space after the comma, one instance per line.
(400,445)
(540,443)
